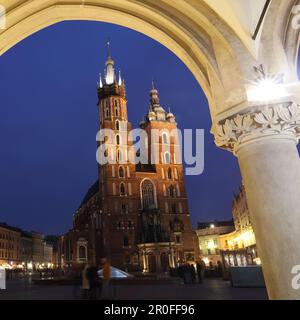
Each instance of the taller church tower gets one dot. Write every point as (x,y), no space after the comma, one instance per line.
(117,176)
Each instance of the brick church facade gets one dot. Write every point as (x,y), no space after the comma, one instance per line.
(137,213)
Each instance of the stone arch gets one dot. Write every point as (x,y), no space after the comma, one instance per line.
(221,57)
(194,32)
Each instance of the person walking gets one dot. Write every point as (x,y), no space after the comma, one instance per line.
(193,273)
(106,286)
(92,276)
(200,271)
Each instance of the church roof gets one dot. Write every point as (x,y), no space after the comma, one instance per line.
(93,190)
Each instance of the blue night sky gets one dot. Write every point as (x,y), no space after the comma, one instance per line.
(48,121)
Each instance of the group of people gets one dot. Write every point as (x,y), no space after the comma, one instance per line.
(190,273)
(95,287)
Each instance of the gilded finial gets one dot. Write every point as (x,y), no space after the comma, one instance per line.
(108,48)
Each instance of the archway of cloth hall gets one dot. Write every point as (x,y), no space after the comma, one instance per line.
(254,114)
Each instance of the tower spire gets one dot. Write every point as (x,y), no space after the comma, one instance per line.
(110,76)
(154,97)
(120,78)
(153,85)
(100,81)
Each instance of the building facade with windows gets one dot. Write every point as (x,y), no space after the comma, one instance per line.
(26,249)
(233,243)
(10,245)
(23,250)
(239,247)
(137,214)
(209,235)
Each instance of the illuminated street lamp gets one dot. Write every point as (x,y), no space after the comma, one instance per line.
(266,87)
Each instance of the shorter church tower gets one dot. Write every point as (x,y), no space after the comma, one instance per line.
(167,237)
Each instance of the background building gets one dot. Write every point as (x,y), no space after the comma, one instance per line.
(239,247)
(232,243)
(24,250)
(208,234)
(37,249)
(10,240)
(52,241)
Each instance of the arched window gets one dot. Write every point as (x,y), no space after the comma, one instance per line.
(122,189)
(121,172)
(118,125)
(106,109)
(124,208)
(167,158)
(116,108)
(82,253)
(165,138)
(118,139)
(174,211)
(170,173)
(171,192)
(125,241)
(148,195)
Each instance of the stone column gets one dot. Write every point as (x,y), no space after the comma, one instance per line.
(264,142)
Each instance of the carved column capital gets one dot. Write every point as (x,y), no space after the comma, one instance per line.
(281,120)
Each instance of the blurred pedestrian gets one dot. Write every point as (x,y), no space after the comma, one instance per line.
(200,270)
(106,283)
(92,275)
(193,273)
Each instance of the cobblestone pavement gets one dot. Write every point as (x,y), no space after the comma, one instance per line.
(209,290)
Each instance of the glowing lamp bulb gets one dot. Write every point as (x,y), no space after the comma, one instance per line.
(267,89)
